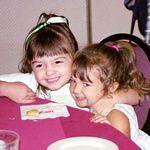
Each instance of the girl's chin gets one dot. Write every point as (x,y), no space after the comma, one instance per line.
(81,105)
(54,87)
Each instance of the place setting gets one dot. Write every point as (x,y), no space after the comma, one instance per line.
(58,127)
(83,143)
(43,111)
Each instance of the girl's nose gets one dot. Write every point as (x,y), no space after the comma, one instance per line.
(50,70)
(77,89)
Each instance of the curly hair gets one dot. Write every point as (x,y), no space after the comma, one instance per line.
(115,63)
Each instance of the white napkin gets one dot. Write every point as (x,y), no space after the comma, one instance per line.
(43,111)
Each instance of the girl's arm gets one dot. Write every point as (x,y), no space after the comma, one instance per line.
(17,91)
(129,96)
(105,105)
(115,118)
(119,121)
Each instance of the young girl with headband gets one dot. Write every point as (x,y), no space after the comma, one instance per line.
(46,66)
(100,71)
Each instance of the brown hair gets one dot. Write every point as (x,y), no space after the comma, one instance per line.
(114,64)
(52,39)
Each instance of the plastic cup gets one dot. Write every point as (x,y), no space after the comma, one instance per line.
(9,140)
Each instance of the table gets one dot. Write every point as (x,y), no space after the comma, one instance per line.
(38,134)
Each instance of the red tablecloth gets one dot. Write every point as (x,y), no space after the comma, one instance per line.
(38,134)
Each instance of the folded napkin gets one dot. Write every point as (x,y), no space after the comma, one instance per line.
(43,111)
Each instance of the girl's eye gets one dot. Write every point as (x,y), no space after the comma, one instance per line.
(38,65)
(86,84)
(58,61)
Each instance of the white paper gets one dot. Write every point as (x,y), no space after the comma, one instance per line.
(43,111)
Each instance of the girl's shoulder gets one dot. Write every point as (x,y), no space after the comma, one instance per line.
(15,76)
(128,110)
(26,78)
(119,120)
(116,116)
(122,113)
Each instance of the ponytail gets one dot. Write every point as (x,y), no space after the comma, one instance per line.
(131,75)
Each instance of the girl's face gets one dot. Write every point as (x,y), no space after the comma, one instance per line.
(86,93)
(52,72)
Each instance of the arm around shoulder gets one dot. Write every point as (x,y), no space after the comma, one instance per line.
(123,96)
(17,91)
(3,88)
(127,96)
(26,78)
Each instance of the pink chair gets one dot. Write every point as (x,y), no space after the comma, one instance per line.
(142,51)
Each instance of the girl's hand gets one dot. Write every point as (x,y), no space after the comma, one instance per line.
(97,118)
(103,106)
(17,92)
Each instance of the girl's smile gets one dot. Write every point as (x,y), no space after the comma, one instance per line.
(53,80)
(77,98)
(87,93)
(52,71)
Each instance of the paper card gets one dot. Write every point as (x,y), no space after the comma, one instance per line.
(43,111)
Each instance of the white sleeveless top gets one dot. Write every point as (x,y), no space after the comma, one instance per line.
(138,136)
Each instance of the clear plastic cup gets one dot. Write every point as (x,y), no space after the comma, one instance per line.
(9,140)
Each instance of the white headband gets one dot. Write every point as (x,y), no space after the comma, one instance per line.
(52,20)
(56,20)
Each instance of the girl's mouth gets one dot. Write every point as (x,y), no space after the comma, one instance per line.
(53,80)
(79,98)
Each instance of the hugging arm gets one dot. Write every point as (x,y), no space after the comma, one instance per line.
(17,91)
(105,105)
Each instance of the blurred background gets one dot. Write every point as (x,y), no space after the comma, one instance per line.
(90,21)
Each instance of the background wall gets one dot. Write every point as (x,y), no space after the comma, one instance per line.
(18,17)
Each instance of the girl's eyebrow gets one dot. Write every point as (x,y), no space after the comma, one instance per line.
(62,57)
(57,58)
(33,62)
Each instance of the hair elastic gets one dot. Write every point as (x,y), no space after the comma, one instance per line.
(115,47)
(51,20)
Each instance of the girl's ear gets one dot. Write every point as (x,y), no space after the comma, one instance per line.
(114,87)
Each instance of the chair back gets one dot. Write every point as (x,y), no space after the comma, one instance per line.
(142,51)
